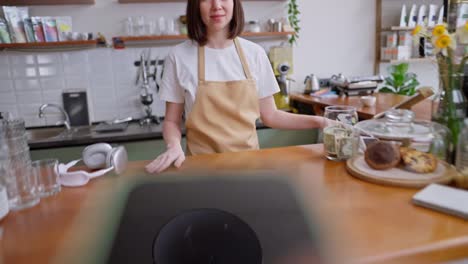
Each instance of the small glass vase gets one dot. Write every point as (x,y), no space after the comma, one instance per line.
(449,108)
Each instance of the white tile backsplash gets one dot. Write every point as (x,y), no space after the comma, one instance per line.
(20,71)
(75,58)
(102,115)
(27,84)
(75,69)
(48,58)
(29,109)
(29,97)
(33,121)
(31,79)
(103,94)
(52,96)
(7,98)
(4,59)
(76,82)
(126,79)
(4,70)
(55,83)
(49,71)
(11,109)
(22,59)
(101,82)
(6,86)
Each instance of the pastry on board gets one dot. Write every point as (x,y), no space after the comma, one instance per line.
(417,161)
(381,155)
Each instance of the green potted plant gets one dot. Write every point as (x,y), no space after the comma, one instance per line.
(293,12)
(400,80)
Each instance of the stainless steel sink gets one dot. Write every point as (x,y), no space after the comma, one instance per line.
(57,133)
(76,132)
(40,134)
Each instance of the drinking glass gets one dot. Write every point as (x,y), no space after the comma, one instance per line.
(20,182)
(48,178)
(342,113)
(340,139)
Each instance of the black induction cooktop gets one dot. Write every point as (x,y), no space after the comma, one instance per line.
(250,220)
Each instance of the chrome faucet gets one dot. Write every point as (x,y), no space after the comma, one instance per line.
(66,122)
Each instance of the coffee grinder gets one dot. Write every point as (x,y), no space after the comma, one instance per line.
(146,97)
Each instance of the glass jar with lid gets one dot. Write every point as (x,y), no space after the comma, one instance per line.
(425,136)
(253,26)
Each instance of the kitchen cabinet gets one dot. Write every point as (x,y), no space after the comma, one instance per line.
(137,150)
(149,149)
(47,2)
(387,21)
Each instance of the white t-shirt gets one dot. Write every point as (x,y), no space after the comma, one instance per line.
(180,79)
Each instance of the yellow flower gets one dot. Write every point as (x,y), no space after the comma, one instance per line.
(444,42)
(439,30)
(416,30)
(466,26)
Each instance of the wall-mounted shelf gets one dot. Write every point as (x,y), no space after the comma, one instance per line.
(62,45)
(172,1)
(429,59)
(394,28)
(387,14)
(122,41)
(47,2)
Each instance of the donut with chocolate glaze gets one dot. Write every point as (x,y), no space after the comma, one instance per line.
(381,155)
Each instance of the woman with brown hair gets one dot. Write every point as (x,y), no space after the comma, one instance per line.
(223,82)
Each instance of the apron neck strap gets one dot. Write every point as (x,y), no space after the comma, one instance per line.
(201,61)
(242,59)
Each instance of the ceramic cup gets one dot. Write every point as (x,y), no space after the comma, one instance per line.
(368,100)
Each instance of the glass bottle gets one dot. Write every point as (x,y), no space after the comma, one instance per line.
(449,106)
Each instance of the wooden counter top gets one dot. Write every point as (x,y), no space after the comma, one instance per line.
(370,223)
(384,102)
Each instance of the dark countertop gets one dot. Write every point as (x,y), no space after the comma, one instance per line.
(51,137)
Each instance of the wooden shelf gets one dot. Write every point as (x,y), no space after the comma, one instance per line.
(122,41)
(151,38)
(172,1)
(47,2)
(387,29)
(429,59)
(50,45)
(266,34)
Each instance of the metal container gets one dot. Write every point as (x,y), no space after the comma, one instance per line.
(253,26)
(278,26)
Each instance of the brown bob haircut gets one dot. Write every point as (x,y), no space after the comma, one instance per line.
(197,29)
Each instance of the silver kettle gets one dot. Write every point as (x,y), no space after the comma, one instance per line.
(311,84)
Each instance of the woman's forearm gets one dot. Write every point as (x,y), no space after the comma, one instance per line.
(284,120)
(172,133)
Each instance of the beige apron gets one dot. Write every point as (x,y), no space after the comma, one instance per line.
(224,113)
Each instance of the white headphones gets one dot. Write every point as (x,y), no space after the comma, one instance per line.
(97,156)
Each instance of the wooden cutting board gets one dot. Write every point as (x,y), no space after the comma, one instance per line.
(398,176)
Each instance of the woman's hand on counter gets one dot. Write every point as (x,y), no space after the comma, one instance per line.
(174,154)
